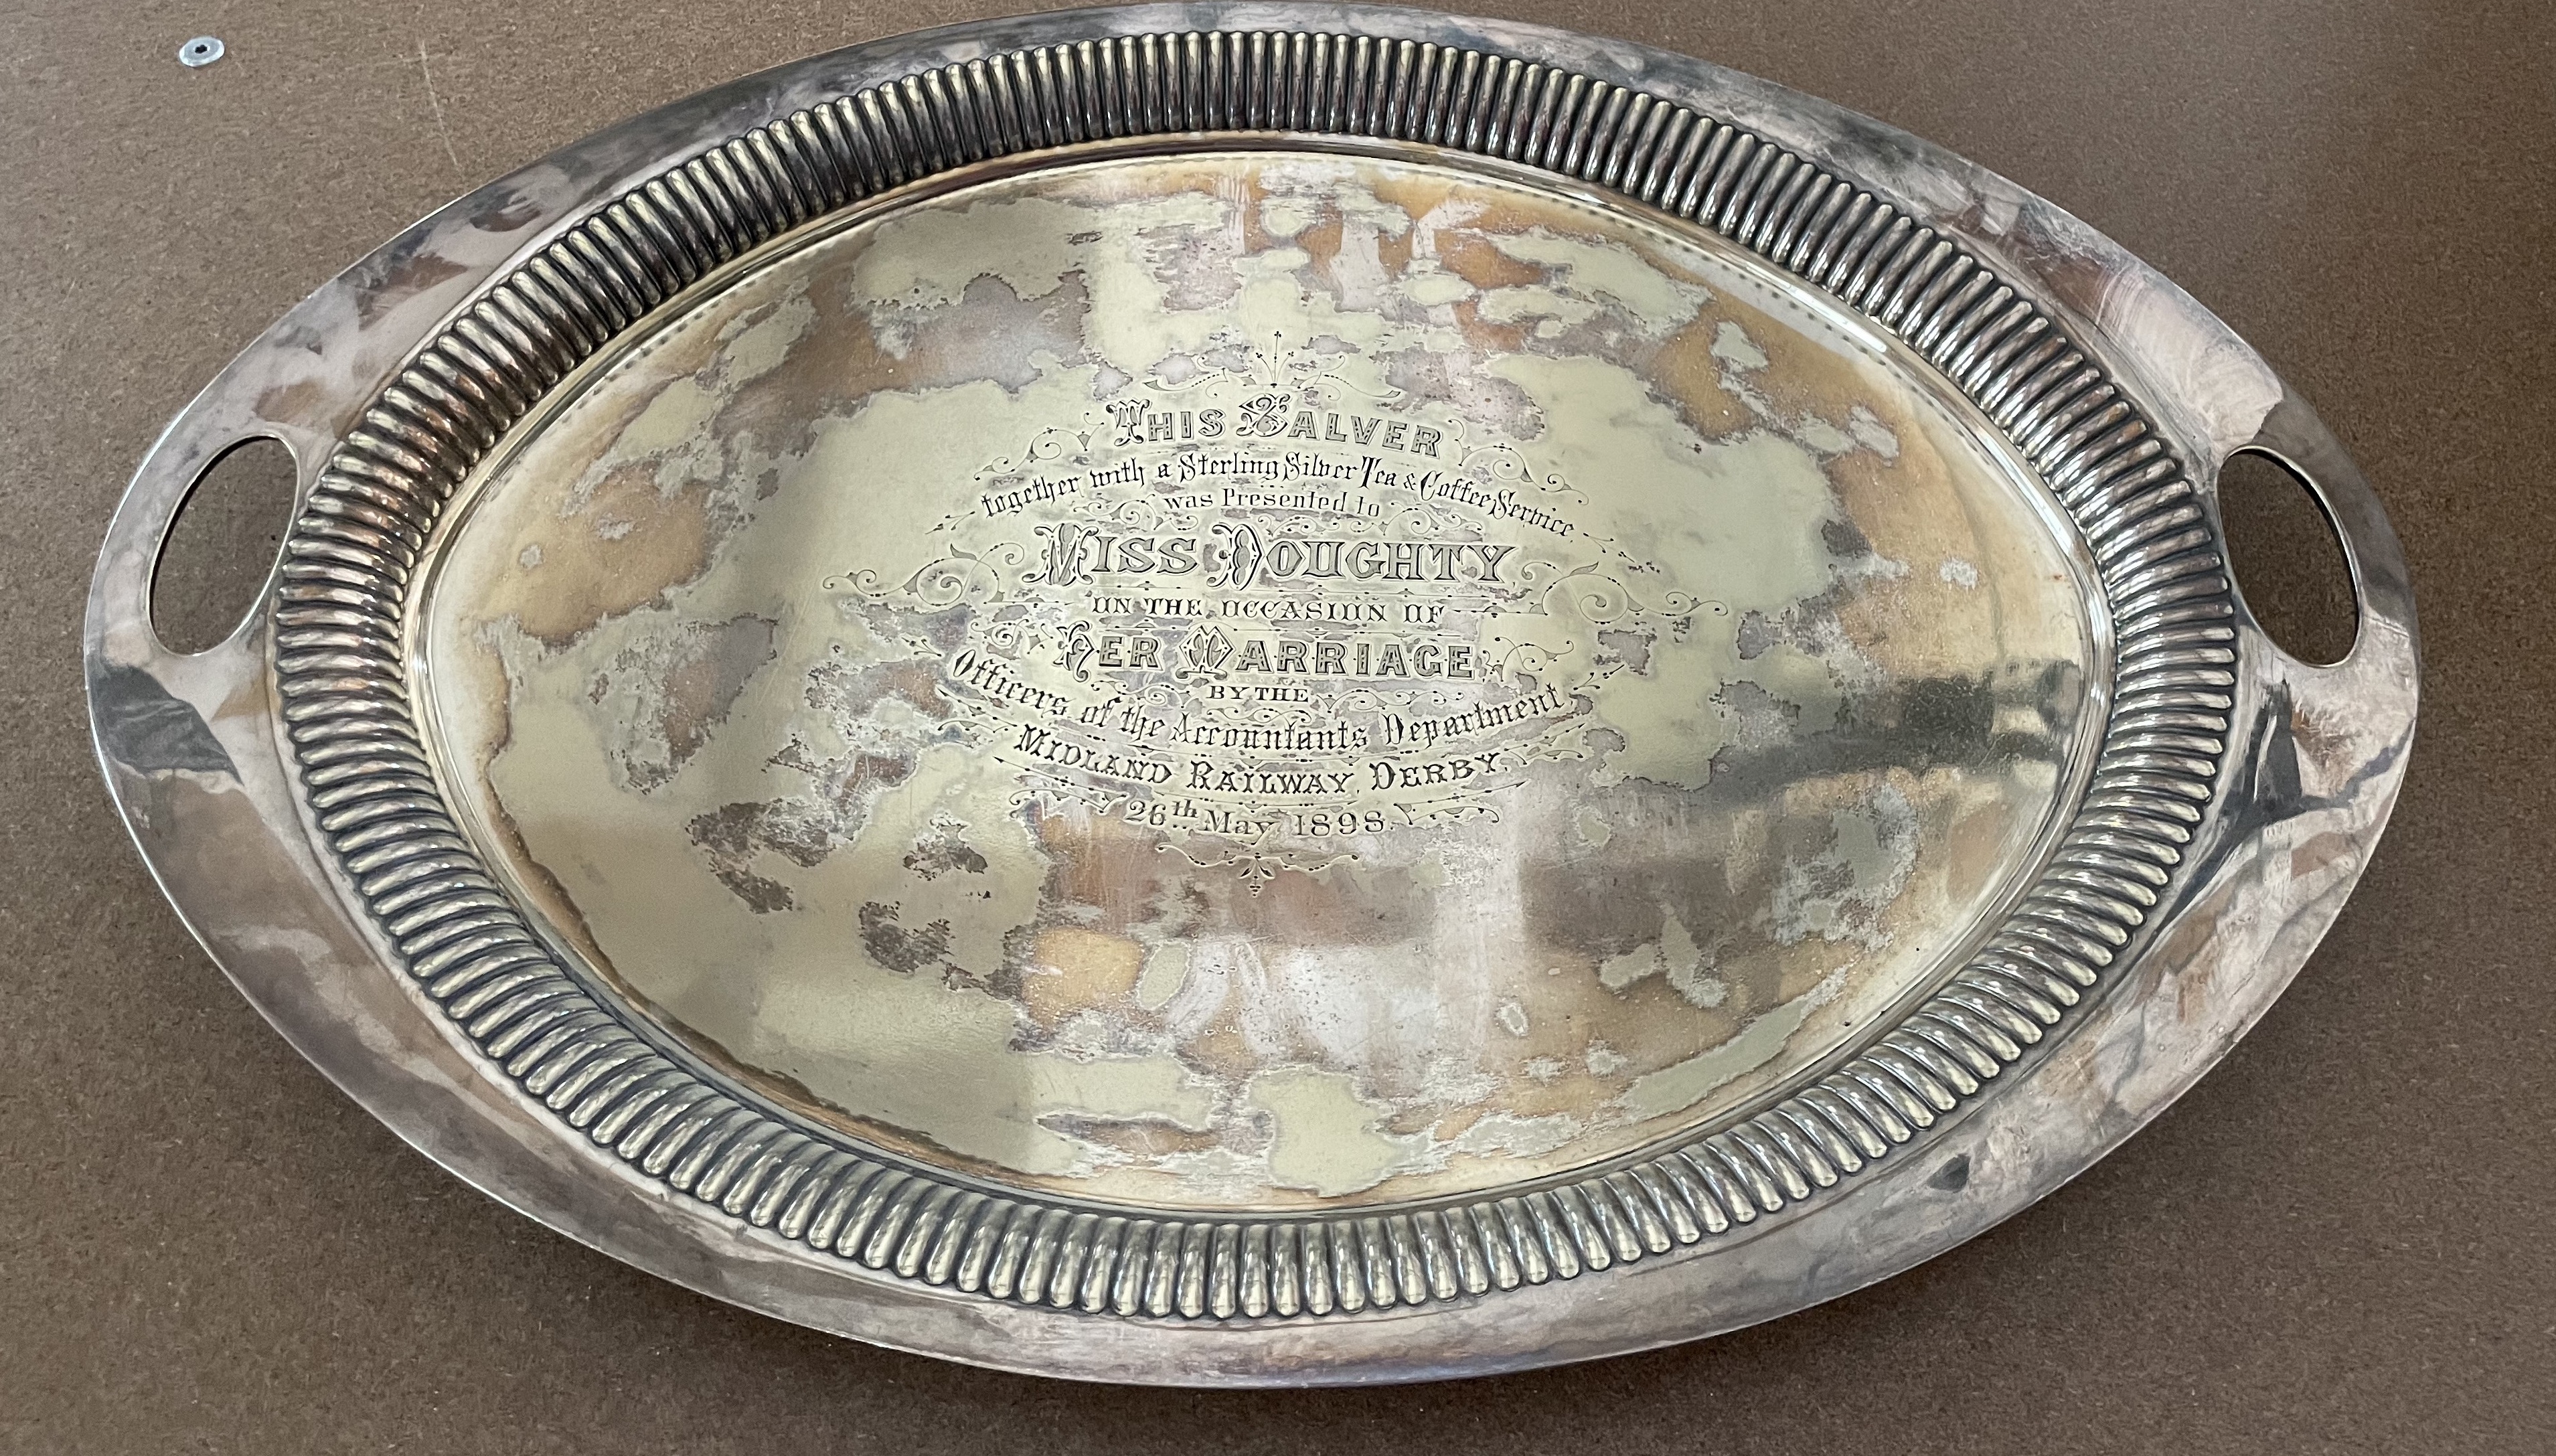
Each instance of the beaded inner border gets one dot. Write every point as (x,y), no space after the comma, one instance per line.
(353,554)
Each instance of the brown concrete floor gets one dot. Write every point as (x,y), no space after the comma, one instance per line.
(2340,1242)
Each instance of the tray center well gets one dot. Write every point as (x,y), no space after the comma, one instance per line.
(1259,679)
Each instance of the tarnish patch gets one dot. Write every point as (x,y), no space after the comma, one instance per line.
(1322,1136)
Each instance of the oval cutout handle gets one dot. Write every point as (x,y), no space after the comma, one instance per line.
(186,465)
(2385,638)
(2287,557)
(218,555)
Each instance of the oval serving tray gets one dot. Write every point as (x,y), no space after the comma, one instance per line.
(1255,694)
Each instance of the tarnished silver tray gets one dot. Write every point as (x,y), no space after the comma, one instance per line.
(1255,694)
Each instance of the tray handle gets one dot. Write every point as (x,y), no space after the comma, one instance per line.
(236,409)
(153,709)
(2385,646)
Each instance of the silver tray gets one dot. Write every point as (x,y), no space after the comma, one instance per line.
(1255,694)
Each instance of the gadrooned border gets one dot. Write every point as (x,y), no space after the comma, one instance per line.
(349,561)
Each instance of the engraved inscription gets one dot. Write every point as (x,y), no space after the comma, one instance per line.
(1258,614)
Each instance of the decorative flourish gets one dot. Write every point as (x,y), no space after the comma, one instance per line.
(1584,589)
(958,578)
(373,792)
(1254,868)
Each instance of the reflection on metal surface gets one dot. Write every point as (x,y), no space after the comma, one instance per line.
(1277,677)
(1167,664)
